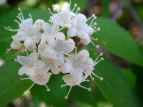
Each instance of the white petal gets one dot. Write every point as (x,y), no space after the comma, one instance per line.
(71,58)
(27,25)
(23,60)
(65,46)
(63,18)
(73,79)
(89,30)
(38,25)
(40,78)
(72,32)
(34,57)
(55,18)
(66,68)
(36,37)
(50,54)
(85,39)
(88,66)
(69,46)
(41,48)
(26,22)
(51,41)
(28,60)
(23,70)
(20,36)
(81,18)
(39,73)
(44,37)
(47,27)
(30,44)
(60,60)
(83,54)
(60,36)
(55,69)
(46,51)
(16,45)
(55,28)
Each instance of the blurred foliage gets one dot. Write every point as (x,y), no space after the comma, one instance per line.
(120,38)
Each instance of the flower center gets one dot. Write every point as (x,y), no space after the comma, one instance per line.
(50,61)
(77,64)
(39,77)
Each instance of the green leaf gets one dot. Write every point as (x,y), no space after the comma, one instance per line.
(114,87)
(105,8)
(118,41)
(4,9)
(10,84)
(56,96)
(130,76)
(139,8)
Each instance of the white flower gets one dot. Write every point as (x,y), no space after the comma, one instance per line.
(50,37)
(79,67)
(53,52)
(45,26)
(51,58)
(81,63)
(27,62)
(35,69)
(38,25)
(27,34)
(51,32)
(76,62)
(53,47)
(25,29)
(58,42)
(30,44)
(39,74)
(73,79)
(81,29)
(63,18)
(64,46)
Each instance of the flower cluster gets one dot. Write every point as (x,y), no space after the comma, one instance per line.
(54,48)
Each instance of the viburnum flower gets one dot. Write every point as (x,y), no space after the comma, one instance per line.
(64,18)
(73,79)
(34,68)
(26,34)
(56,46)
(81,29)
(79,66)
(51,58)
(76,62)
